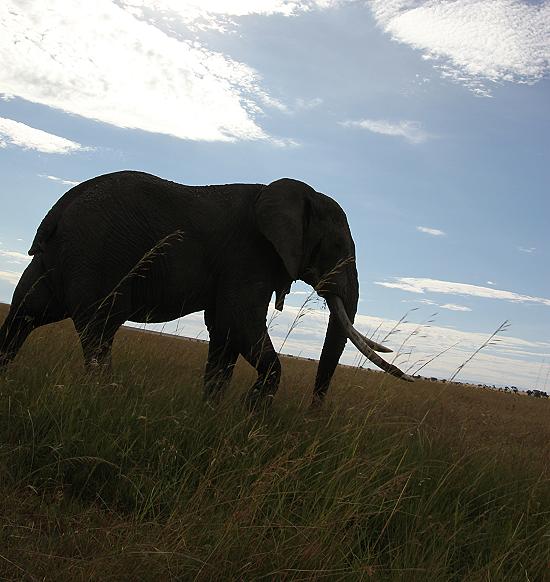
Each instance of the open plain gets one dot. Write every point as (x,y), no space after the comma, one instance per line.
(134,478)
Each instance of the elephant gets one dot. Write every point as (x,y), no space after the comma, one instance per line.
(132,246)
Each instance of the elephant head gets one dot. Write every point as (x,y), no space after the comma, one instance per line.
(311,235)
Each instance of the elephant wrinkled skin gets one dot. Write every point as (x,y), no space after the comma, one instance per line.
(132,246)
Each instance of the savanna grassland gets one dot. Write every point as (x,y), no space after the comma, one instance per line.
(134,478)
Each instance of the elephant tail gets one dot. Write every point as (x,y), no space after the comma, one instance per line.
(50,221)
(45,230)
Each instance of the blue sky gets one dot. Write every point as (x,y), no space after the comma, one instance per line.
(427,120)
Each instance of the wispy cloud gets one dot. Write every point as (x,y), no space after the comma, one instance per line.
(60,180)
(144,53)
(110,58)
(305,104)
(29,138)
(473,41)
(508,362)
(528,250)
(15,256)
(449,306)
(410,130)
(418,285)
(432,231)
(454,307)
(198,15)
(10,277)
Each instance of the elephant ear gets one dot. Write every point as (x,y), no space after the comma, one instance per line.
(280,215)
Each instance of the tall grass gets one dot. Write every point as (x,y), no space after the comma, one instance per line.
(136,479)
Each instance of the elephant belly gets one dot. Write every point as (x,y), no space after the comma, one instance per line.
(165,298)
(161,314)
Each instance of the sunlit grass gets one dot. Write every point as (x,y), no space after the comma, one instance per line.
(135,478)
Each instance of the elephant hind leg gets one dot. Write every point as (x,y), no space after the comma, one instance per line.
(96,336)
(222,357)
(96,318)
(13,333)
(33,305)
(219,370)
(261,354)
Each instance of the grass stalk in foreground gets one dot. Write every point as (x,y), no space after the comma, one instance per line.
(141,481)
(489,341)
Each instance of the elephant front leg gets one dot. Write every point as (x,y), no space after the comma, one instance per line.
(239,323)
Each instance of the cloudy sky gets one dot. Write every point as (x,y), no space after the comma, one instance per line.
(428,120)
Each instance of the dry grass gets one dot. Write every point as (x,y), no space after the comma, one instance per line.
(140,481)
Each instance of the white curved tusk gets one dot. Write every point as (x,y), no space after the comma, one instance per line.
(376,347)
(363,344)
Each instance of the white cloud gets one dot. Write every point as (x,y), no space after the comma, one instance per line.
(455,307)
(432,231)
(423,301)
(472,41)
(305,104)
(510,361)
(410,130)
(419,285)
(61,180)
(10,277)
(527,250)
(285,142)
(15,257)
(29,138)
(301,332)
(98,61)
(219,15)
(449,306)
(127,64)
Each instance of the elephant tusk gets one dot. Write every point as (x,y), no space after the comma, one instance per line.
(350,330)
(366,346)
(373,345)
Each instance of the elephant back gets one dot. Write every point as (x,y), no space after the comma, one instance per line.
(51,220)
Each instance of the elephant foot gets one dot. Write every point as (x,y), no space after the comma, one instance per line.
(4,362)
(257,401)
(316,404)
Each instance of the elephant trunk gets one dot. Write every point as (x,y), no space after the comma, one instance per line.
(366,346)
(346,285)
(335,341)
(340,329)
